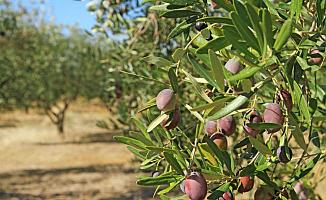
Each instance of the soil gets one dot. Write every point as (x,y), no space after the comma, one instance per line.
(37,164)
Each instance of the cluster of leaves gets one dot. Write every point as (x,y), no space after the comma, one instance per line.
(274,43)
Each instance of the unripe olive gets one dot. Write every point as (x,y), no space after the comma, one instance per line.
(210,127)
(286,97)
(264,193)
(273,114)
(200,26)
(166,100)
(316,59)
(233,66)
(226,196)
(254,117)
(173,120)
(195,186)
(282,155)
(247,183)
(220,141)
(227,125)
(155,174)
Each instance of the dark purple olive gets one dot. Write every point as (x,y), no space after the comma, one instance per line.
(316,58)
(264,193)
(282,154)
(247,183)
(233,66)
(195,186)
(273,114)
(210,37)
(210,127)
(200,26)
(254,117)
(173,120)
(286,97)
(220,141)
(166,100)
(226,196)
(227,125)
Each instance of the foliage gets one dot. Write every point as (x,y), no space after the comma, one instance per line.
(274,43)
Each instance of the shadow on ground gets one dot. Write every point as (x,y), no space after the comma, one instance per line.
(89,182)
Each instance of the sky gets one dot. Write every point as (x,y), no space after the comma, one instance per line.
(68,12)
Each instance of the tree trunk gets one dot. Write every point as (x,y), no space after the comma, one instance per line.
(60,127)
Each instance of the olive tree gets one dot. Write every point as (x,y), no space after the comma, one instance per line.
(257,97)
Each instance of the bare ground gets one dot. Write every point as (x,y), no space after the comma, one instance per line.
(35,163)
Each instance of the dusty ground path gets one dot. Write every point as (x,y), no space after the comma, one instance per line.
(36,164)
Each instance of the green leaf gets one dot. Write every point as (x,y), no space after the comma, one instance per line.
(214,19)
(248,170)
(130,141)
(215,44)
(173,162)
(141,127)
(159,180)
(232,35)
(307,168)
(137,152)
(244,31)
(264,177)
(173,80)
(160,149)
(261,147)
(181,2)
(156,122)
(180,28)
(179,13)
(219,191)
(263,126)
(283,35)
(178,54)
(232,106)
(217,104)
(195,113)
(267,27)
(301,102)
(158,61)
(255,21)
(216,67)
(297,133)
(245,73)
(198,89)
(202,71)
(206,152)
(303,63)
(296,6)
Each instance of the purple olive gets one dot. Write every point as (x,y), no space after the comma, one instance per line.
(214,4)
(273,114)
(298,187)
(233,66)
(316,59)
(195,186)
(302,196)
(282,154)
(264,193)
(173,120)
(254,117)
(200,26)
(227,125)
(210,127)
(286,97)
(226,196)
(220,141)
(166,100)
(247,183)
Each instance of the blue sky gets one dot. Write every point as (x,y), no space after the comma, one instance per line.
(65,11)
